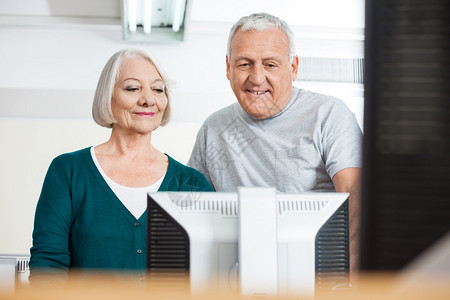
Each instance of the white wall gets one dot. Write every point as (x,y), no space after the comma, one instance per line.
(49,72)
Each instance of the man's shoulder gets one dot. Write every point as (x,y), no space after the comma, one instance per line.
(314,101)
(222,113)
(318,98)
(220,118)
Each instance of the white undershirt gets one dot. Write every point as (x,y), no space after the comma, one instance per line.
(134,199)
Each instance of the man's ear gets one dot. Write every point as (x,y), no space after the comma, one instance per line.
(228,68)
(294,68)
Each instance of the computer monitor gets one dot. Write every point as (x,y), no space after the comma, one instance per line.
(197,234)
(406,161)
(14,271)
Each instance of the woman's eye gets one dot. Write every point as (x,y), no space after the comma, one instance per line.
(159,91)
(131,89)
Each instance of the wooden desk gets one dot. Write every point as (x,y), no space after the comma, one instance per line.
(98,287)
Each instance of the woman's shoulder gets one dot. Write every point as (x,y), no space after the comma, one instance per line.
(181,176)
(71,157)
(178,167)
(71,164)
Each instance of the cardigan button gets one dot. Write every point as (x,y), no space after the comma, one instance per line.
(136,224)
(139,251)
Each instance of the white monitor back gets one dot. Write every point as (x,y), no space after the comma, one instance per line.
(14,271)
(210,221)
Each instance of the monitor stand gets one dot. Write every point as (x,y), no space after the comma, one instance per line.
(258,258)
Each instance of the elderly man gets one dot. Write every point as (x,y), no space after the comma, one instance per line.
(278,135)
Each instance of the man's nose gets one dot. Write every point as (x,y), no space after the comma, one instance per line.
(257,75)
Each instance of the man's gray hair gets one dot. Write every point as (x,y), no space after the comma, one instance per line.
(262,21)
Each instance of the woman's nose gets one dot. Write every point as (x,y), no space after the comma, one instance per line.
(147,98)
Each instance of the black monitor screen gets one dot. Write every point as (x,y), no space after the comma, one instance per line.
(406,176)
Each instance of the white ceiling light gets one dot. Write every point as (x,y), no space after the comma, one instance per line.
(154,20)
(178,14)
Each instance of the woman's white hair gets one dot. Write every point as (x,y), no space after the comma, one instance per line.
(101,106)
(262,21)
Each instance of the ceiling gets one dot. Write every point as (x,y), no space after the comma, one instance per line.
(323,13)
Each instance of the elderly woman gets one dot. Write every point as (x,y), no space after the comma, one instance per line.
(91,213)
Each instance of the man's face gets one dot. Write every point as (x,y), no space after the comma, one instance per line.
(259,71)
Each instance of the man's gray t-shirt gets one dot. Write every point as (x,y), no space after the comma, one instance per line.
(300,149)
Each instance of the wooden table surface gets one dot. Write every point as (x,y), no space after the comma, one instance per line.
(367,286)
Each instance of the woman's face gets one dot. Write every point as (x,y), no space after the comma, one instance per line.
(139,97)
